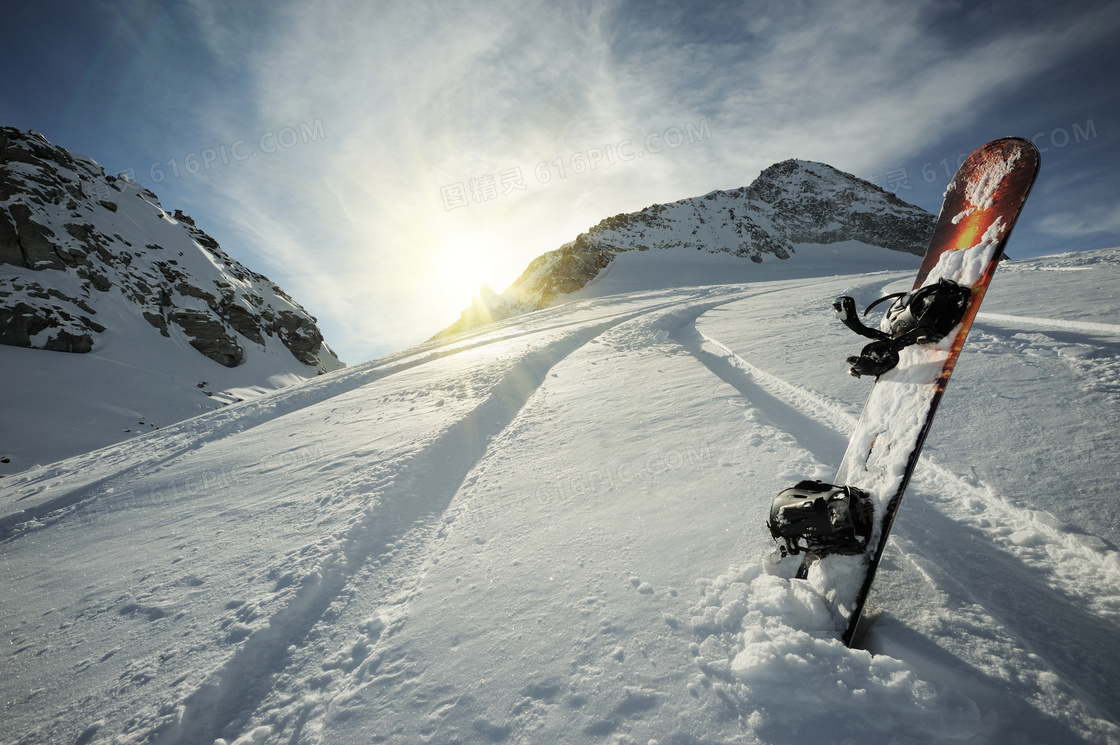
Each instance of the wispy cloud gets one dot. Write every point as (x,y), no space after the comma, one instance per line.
(416,96)
(858,82)
(1088,221)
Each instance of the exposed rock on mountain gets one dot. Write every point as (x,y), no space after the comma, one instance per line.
(790,204)
(162,324)
(78,246)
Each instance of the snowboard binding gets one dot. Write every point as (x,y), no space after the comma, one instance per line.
(820,519)
(922,316)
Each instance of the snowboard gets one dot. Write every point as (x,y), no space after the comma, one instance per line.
(981,205)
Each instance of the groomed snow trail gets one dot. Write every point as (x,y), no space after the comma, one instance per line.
(552,531)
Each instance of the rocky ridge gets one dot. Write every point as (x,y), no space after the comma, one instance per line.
(790,203)
(77,244)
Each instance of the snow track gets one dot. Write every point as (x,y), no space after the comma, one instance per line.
(382,664)
(408,509)
(420,492)
(57,491)
(405,512)
(1110,329)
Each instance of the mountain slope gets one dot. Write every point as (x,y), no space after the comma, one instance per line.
(551,530)
(790,208)
(92,264)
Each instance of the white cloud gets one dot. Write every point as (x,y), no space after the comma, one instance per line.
(858,84)
(1088,221)
(415,96)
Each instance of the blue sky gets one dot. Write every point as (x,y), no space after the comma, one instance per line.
(380,160)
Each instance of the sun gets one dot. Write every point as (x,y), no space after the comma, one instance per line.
(459,271)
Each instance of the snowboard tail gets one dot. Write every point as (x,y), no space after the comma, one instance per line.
(981,205)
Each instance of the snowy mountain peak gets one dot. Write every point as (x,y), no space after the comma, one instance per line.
(162,323)
(791,205)
(77,247)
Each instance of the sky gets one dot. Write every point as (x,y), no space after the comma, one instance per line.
(382,160)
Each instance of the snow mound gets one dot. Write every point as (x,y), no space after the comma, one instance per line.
(778,640)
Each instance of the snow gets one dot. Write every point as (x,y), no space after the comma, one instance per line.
(552,530)
(980,191)
(965,266)
(677,267)
(92,404)
(147,261)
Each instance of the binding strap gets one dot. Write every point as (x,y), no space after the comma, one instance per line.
(845,307)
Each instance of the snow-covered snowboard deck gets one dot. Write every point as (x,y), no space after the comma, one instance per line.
(981,206)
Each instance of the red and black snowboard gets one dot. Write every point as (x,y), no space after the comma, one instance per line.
(981,206)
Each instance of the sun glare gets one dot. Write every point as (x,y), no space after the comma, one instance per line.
(460,271)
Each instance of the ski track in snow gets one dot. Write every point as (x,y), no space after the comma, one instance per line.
(192,434)
(431,478)
(373,663)
(1111,329)
(336,633)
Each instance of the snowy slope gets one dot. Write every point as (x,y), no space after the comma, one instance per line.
(551,530)
(117,317)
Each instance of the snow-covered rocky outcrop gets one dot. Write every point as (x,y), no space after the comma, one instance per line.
(162,323)
(75,242)
(790,205)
